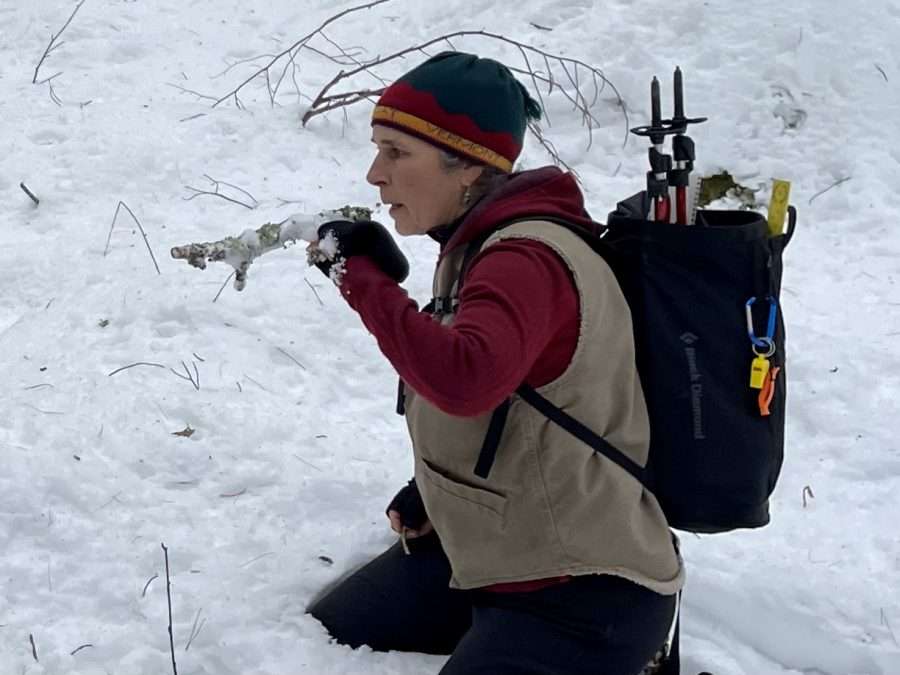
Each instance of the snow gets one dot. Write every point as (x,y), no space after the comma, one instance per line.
(281,488)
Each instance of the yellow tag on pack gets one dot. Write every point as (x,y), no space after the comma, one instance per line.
(758,371)
(778,206)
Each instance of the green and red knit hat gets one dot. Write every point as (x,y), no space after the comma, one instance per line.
(470,106)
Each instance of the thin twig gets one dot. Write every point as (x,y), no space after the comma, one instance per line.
(310,464)
(293,47)
(835,184)
(30,194)
(233,494)
(79,648)
(885,621)
(147,585)
(241,62)
(43,412)
(169,599)
(50,47)
(312,288)
(53,96)
(264,555)
(215,193)
(256,383)
(139,363)
(291,357)
(193,379)
(194,630)
(114,498)
(881,70)
(140,227)
(223,286)
(807,491)
(191,91)
(33,648)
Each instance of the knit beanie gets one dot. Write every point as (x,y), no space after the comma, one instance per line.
(470,106)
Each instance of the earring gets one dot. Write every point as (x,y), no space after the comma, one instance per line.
(467,196)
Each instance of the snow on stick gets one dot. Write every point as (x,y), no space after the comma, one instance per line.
(242,250)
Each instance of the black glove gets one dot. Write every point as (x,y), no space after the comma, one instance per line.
(363,237)
(408,503)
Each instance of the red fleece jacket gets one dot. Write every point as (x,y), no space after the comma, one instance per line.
(518,316)
(517,322)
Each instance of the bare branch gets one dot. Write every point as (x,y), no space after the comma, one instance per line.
(241,251)
(53,96)
(325,101)
(52,45)
(169,599)
(312,288)
(224,284)
(191,91)
(294,47)
(835,184)
(550,148)
(215,193)
(193,379)
(30,194)
(139,363)
(140,227)
(147,585)
(291,357)
(195,630)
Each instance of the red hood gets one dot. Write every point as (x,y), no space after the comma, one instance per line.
(544,192)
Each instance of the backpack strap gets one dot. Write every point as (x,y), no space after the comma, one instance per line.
(492,440)
(582,433)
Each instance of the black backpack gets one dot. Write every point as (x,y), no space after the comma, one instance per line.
(704,301)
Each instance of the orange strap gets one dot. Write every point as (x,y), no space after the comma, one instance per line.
(767,391)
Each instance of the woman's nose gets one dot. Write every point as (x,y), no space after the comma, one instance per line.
(376,175)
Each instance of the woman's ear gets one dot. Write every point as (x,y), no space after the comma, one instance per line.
(470,174)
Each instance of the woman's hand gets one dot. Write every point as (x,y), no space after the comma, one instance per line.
(407,512)
(398,526)
(343,239)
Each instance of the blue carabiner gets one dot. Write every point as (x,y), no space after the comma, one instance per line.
(767,341)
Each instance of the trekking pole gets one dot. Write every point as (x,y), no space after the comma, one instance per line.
(660,163)
(682,150)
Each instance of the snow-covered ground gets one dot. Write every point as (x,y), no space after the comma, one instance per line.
(295,450)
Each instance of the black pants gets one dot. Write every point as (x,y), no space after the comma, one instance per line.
(592,625)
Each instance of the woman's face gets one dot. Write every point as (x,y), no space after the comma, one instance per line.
(408,172)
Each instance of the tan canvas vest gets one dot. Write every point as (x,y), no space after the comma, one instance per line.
(550,506)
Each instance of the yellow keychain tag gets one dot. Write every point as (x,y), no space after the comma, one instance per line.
(778,206)
(758,371)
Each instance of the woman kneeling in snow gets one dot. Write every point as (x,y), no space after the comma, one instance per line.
(523,551)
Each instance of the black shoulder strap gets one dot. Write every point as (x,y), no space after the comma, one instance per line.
(488,452)
(582,433)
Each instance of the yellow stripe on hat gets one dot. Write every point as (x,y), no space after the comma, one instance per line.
(425,128)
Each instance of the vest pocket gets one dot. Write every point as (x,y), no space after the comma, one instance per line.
(478,497)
